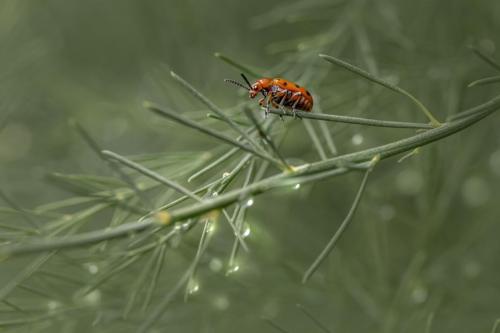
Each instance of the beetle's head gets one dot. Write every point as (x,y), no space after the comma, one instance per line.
(260,85)
(253,89)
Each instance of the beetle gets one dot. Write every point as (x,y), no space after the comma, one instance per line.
(279,93)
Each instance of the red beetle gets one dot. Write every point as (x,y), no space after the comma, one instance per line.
(279,93)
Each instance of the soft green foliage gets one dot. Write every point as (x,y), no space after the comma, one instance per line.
(193,213)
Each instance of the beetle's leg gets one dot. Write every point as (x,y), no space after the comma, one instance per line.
(299,95)
(269,98)
(281,105)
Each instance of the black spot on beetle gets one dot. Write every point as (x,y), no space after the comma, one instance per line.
(285,83)
(308,94)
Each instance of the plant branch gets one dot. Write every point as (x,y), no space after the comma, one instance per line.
(351,120)
(305,173)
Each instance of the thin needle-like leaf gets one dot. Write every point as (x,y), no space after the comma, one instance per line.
(12,306)
(477,110)
(218,161)
(274,325)
(154,279)
(139,284)
(495,326)
(314,138)
(383,83)
(27,216)
(340,231)
(239,217)
(264,135)
(325,130)
(92,143)
(428,324)
(151,174)
(328,138)
(486,58)
(237,65)
(215,109)
(37,318)
(189,123)
(313,318)
(213,164)
(485,81)
(110,273)
(20,229)
(202,245)
(24,274)
(214,116)
(36,291)
(160,309)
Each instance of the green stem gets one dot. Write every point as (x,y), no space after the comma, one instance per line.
(306,173)
(352,120)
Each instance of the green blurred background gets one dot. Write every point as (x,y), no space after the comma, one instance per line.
(424,245)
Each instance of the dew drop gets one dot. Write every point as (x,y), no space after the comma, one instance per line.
(246,232)
(226,174)
(233,269)
(249,202)
(296,187)
(193,287)
(210,228)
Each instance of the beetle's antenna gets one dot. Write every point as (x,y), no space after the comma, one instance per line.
(246,80)
(241,85)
